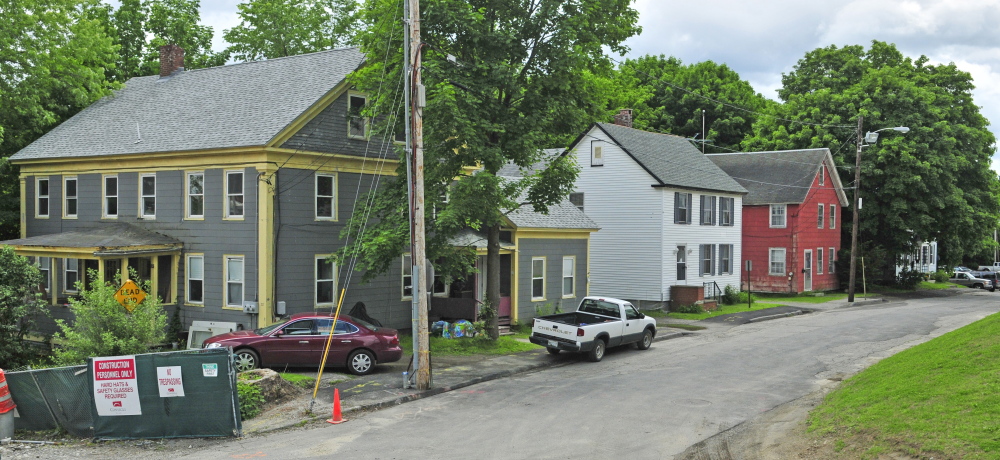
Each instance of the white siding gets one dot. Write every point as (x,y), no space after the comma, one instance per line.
(694,234)
(619,196)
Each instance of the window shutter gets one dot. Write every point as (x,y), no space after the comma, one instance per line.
(701,259)
(714,268)
(713,211)
(677,205)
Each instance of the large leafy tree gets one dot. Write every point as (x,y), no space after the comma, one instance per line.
(933,183)
(53,58)
(505,79)
(129,21)
(279,28)
(673,97)
(176,22)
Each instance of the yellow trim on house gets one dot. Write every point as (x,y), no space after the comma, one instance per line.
(24,206)
(267,181)
(225,194)
(187,272)
(545,281)
(310,113)
(225,281)
(553,233)
(368,121)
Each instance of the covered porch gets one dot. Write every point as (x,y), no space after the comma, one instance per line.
(461,298)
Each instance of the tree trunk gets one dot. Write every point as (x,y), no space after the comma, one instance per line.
(493,279)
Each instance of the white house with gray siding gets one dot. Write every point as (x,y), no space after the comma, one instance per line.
(668,215)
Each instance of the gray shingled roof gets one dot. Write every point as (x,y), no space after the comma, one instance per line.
(780,177)
(102,237)
(236,105)
(671,160)
(561,215)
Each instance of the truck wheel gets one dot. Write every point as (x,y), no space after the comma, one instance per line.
(552,351)
(597,353)
(977,286)
(647,340)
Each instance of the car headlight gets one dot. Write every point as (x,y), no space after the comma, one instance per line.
(214,345)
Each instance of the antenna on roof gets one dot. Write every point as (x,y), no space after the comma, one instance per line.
(137,133)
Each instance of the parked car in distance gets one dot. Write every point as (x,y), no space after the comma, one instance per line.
(990,268)
(988,276)
(966,279)
(300,340)
(961,269)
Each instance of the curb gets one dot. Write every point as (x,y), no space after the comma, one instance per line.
(439,390)
(770,317)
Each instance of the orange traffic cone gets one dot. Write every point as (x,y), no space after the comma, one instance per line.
(336,409)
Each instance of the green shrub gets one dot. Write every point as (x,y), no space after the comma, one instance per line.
(909,279)
(733,296)
(693,308)
(20,306)
(251,400)
(941,276)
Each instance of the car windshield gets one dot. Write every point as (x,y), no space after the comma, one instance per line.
(266,329)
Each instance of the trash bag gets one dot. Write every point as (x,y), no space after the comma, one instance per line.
(359,311)
(463,328)
(441,328)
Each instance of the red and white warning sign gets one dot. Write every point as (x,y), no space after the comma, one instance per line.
(115,387)
(168,378)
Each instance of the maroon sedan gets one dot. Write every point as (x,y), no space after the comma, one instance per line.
(300,342)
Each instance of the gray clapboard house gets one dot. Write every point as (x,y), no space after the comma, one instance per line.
(227,188)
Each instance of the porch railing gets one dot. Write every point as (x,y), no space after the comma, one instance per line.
(712,292)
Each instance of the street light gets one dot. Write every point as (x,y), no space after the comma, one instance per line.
(871,137)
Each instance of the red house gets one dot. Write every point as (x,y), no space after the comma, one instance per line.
(791,218)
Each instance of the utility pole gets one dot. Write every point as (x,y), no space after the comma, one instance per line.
(415,141)
(857,213)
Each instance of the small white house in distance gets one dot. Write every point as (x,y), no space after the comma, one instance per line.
(923,259)
(668,215)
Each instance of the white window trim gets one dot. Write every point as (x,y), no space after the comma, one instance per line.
(533,278)
(726,218)
(832,216)
(822,175)
(188,279)
(188,195)
(710,249)
(39,196)
(771,260)
(104,196)
(731,248)
(65,199)
(316,280)
(707,205)
(784,215)
(572,276)
(142,197)
(225,281)
(820,218)
(819,261)
(67,287)
(597,153)
(225,191)
(350,95)
(832,261)
(333,198)
(406,264)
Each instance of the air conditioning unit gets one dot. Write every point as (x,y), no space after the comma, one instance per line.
(201,330)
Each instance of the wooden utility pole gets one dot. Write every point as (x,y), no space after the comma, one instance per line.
(857,215)
(417,101)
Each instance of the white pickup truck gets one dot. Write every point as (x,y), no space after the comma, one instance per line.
(598,323)
(990,268)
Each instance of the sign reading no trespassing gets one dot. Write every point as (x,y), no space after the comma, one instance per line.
(115,386)
(168,378)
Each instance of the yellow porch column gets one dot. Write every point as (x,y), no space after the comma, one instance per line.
(265,244)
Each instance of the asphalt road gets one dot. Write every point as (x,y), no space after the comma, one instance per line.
(633,404)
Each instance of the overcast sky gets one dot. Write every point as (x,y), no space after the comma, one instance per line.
(761,39)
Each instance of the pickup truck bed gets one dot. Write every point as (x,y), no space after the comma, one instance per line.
(579,319)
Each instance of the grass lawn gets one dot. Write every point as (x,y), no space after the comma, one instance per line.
(723,310)
(803,298)
(939,399)
(505,345)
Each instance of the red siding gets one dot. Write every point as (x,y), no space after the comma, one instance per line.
(800,234)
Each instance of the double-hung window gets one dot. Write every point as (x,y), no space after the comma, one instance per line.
(819,261)
(325,197)
(71,274)
(819,217)
(833,216)
(822,175)
(777,262)
(707,259)
(576,198)
(234,281)
(234,194)
(569,276)
(196,195)
(42,197)
(726,206)
(682,208)
(832,263)
(537,278)
(195,278)
(326,281)
(725,259)
(357,125)
(407,277)
(70,197)
(778,215)
(45,268)
(111,196)
(147,196)
(707,210)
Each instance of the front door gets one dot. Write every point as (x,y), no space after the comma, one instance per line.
(807,270)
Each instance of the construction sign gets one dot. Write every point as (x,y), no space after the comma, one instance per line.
(130,295)
(170,382)
(116,389)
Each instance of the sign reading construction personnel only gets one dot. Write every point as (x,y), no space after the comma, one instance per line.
(130,295)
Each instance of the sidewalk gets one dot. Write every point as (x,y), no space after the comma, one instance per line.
(384,387)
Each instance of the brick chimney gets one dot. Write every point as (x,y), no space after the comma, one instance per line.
(171,59)
(624,118)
